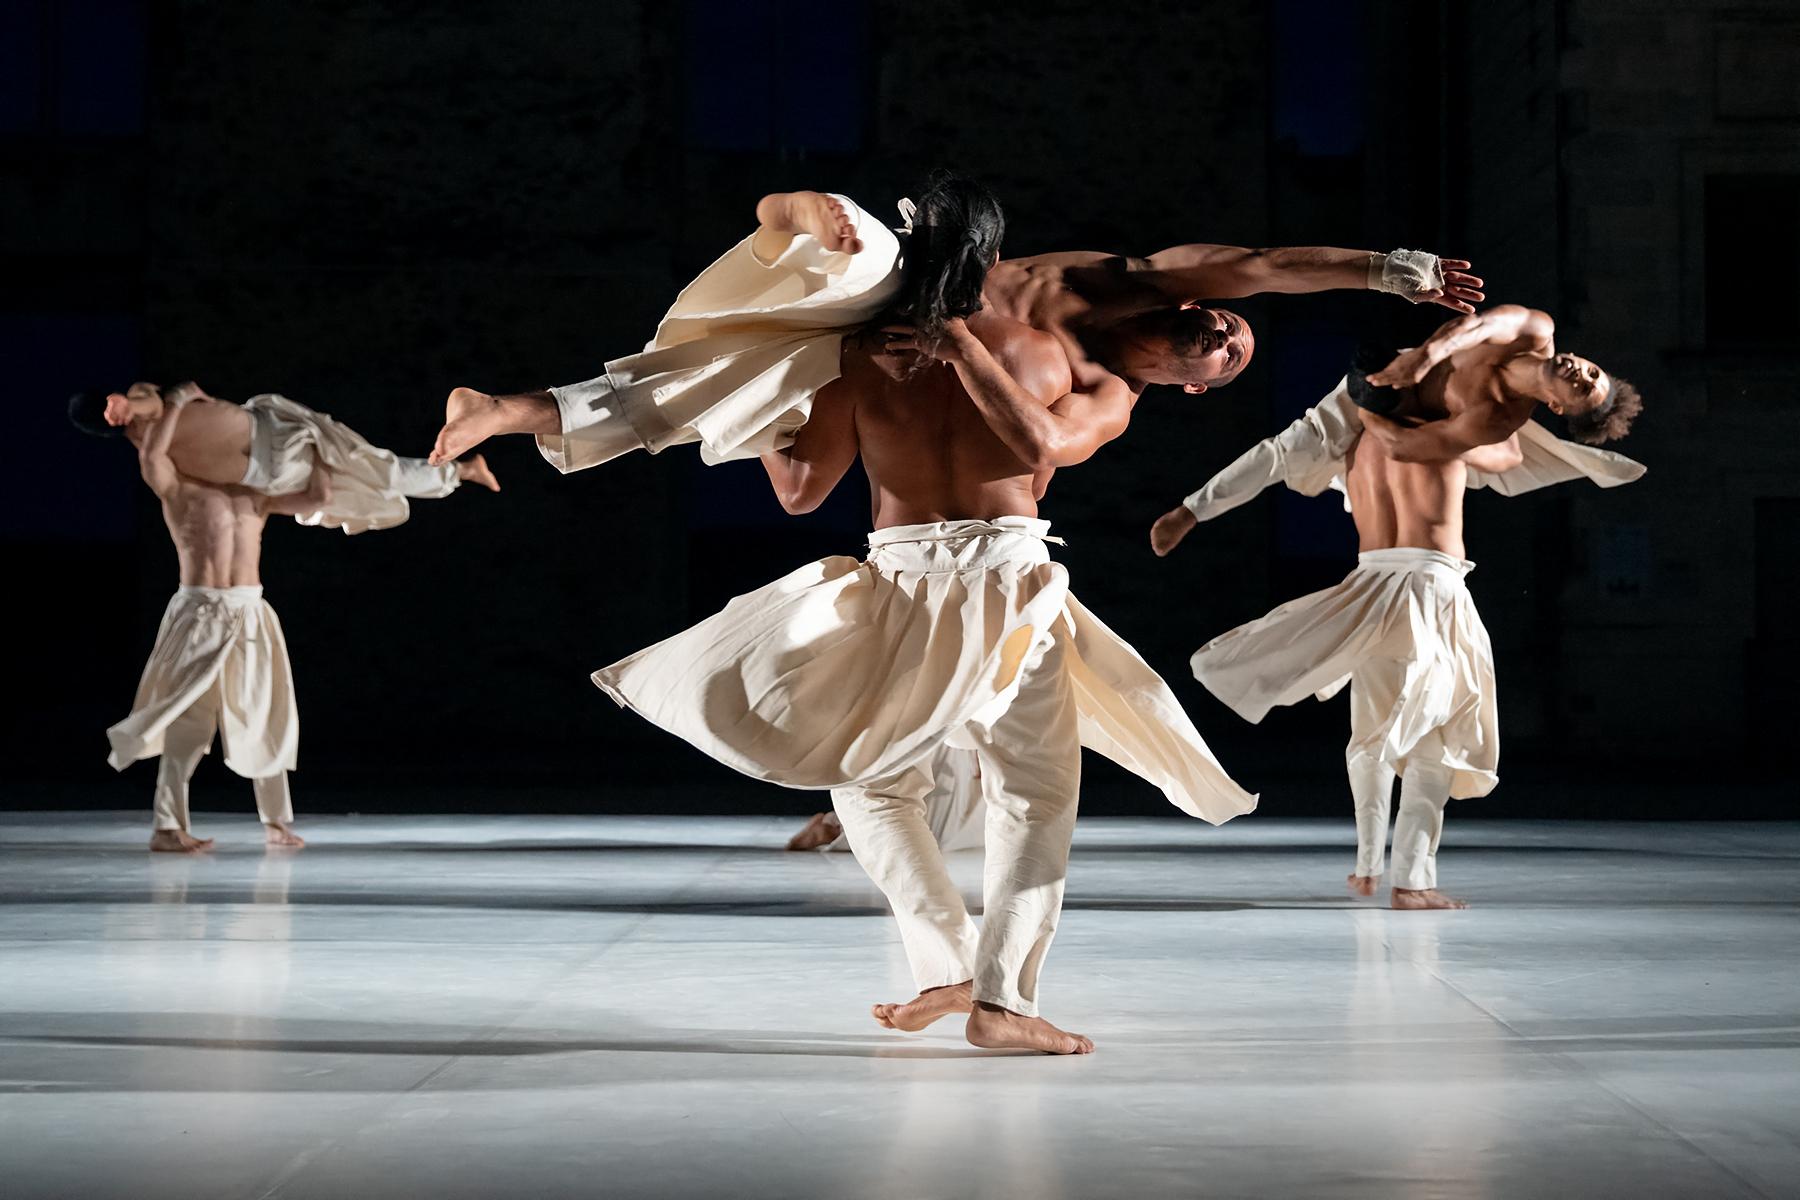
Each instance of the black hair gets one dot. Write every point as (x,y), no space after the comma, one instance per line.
(1610,421)
(957,227)
(87,412)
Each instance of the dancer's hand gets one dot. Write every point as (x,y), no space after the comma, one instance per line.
(1170,528)
(118,409)
(1408,368)
(906,339)
(1461,290)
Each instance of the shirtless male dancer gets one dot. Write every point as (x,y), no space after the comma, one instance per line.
(1402,629)
(957,630)
(220,664)
(1123,324)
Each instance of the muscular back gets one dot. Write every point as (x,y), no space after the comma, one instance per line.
(213,442)
(1405,504)
(217,533)
(928,452)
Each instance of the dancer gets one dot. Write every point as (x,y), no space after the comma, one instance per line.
(270,445)
(220,663)
(957,630)
(1402,629)
(736,363)
(1478,379)
(955,811)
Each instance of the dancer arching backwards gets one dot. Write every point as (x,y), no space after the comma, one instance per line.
(1401,629)
(958,630)
(736,362)
(220,664)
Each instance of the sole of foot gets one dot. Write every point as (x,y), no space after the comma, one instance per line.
(467,415)
(924,1009)
(997,1029)
(1408,899)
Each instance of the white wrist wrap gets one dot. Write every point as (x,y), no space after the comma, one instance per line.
(1406,273)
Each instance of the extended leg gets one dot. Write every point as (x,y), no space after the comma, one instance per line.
(886,828)
(1424,790)
(185,743)
(1031,779)
(472,417)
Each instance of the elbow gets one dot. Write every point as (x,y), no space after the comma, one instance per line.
(795,502)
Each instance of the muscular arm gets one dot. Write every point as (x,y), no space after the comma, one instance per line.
(1065,431)
(1439,441)
(1206,272)
(1498,458)
(153,455)
(804,473)
(1526,330)
(314,499)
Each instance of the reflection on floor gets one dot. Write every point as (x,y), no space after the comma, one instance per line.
(539,1006)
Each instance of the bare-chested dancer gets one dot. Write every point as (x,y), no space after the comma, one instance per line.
(270,444)
(737,361)
(1478,379)
(220,664)
(958,629)
(1401,629)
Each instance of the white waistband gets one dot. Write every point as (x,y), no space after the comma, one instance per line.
(1413,556)
(244,594)
(962,545)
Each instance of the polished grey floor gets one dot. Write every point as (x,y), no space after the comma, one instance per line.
(486,1007)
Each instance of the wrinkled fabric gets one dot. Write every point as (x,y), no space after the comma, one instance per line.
(370,486)
(220,650)
(954,809)
(1406,273)
(736,361)
(1405,627)
(844,673)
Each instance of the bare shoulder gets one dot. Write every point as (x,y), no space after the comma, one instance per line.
(1036,360)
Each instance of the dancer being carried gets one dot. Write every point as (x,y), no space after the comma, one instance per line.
(270,445)
(1401,629)
(736,362)
(958,629)
(220,663)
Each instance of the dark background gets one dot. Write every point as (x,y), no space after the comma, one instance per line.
(363,204)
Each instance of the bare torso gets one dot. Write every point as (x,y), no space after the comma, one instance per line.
(1405,504)
(212,443)
(928,452)
(1470,381)
(217,532)
(1069,296)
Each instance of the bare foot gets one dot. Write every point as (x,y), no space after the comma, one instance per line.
(811,212)
(475,469)
(470,418)
(930,1005)
(822,830)
(178,841)
(280,835)
(994,1028)
(1408,898)
(1363,885)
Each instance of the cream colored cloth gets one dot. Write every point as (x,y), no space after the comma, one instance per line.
(1030,759)
(219,650)
(1424,790)
(1404,626)
(844,673)
(185,742)
(736,361)
(955,811)
(370,485)
(1309,457)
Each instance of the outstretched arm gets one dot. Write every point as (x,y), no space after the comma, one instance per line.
(1046,425)
(314,498)
(1526,329)
(804,473)
(1201,271)
(153,453)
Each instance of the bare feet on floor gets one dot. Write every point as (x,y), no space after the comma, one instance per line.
(1408,898)
(927,1007)
(475,469)
(995,1028)
(1364,885)
(822,830)
(178,841)
(816,213)
(281,835)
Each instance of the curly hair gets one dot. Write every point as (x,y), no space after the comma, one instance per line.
(1612,420)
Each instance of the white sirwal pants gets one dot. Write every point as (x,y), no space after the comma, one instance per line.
(1424,785)
(1031,778)
(185,742)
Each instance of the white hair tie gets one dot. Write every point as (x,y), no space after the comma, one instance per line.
(907,211)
